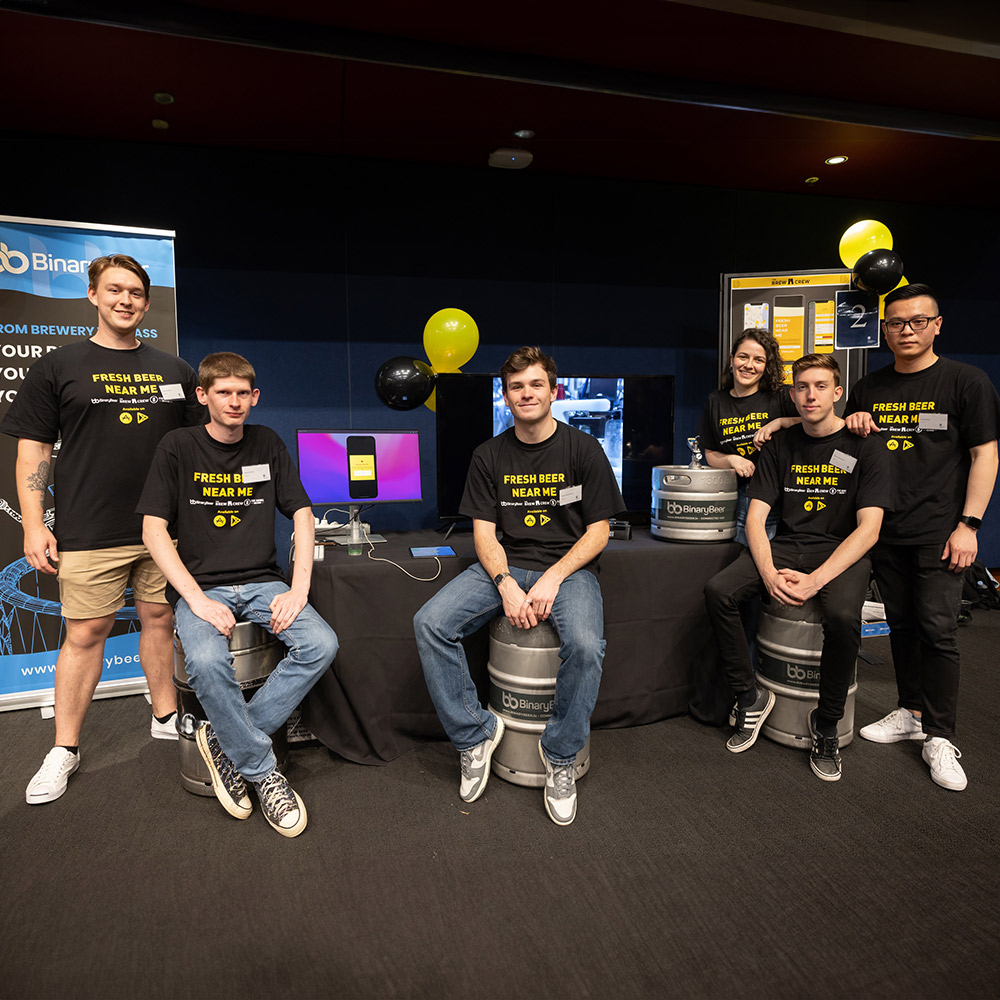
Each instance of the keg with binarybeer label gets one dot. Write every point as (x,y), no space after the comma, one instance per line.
(255,654)
(523,665)
(789,648)
(693,504)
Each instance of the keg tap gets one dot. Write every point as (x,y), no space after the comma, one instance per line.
(696,455)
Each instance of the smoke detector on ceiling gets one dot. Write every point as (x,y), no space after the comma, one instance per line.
(510,159)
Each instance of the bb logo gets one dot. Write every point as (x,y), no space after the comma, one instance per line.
(529,520)
(795,673)
(12,261)
(892,444)
(673,507)
(219,520)
(125,418)
(509,701)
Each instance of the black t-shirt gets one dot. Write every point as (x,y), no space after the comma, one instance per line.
(929,420)
(817,485)
(541,496)
(111,408)
(728,423)
(222,507)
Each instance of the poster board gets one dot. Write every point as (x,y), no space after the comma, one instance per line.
(43,306)
(798,308)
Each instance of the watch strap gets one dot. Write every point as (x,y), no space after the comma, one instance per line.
(973,522)
(499,578)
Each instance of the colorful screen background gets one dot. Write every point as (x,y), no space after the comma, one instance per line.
(323,466)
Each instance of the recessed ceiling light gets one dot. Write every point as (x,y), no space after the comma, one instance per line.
(834,160)
(525,133)
(812,180)
(162,97)
(510,159)
(160,123)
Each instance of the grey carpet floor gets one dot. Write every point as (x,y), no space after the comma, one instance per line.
(690,871)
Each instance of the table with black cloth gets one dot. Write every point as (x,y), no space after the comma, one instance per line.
(373,705)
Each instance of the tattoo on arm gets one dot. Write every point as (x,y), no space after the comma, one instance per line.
(39,480)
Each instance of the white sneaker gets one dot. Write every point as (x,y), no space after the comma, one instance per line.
(899,724)
(52,777)
(560,790)
(164,730)
(942,756)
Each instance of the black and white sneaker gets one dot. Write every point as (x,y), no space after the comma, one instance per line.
(824,758)
(281,804)
(227,783)
(475,763)
(747,722)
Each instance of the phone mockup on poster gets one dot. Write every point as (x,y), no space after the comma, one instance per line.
(756,316)
(429,551)
(822,320)
(789,326)
(362,475)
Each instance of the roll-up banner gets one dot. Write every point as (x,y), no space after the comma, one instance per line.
(44,306)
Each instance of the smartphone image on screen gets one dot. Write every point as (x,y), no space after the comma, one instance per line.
(362,477)
(429,551)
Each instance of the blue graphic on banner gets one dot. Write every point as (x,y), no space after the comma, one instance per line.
(52,261)
(36,671)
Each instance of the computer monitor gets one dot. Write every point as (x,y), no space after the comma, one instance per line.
(632,416)
(344,468)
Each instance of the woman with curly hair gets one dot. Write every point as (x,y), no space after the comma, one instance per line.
(751,396)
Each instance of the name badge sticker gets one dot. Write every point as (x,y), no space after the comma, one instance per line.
(571,494)
(933,421)
(843,462)
(256,473)
(172,391)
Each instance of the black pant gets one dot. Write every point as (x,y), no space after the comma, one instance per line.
(840,599)
(922,600)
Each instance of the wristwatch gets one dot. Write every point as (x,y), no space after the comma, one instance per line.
(500,577)
(973,522)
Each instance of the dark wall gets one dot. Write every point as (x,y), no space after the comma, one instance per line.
(320,269)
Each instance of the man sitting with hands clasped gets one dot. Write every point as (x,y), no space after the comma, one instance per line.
(829,489)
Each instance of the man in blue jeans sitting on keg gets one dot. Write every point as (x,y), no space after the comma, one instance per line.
(830,494)
(550,490)
(219,484)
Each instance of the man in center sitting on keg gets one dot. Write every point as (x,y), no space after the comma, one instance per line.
(830,493)
(550,489)
(219,484)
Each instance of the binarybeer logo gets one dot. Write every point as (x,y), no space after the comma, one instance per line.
(516,705)
(12,261)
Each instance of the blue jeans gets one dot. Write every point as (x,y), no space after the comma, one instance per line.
(742,506)
(243,727)
(468,603)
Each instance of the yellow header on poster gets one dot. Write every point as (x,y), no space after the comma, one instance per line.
(792,280)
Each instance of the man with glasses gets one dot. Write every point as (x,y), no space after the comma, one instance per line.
(939,419)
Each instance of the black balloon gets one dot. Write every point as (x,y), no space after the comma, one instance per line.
(404,383)
(878,271)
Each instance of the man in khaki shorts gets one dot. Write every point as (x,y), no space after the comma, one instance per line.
(108,437)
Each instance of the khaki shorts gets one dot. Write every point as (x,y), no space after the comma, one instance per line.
(92,582)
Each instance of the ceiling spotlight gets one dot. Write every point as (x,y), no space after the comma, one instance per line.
(510,159)
(812,180)
(834,160)
(524,133)
(160,123)
(162,97)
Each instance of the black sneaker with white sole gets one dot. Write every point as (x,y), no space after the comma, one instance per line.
(227,783)
(824,757)
(747,722)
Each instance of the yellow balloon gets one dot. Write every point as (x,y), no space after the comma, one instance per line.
(451,337)
(881,298)
(431,401)
(862,237)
